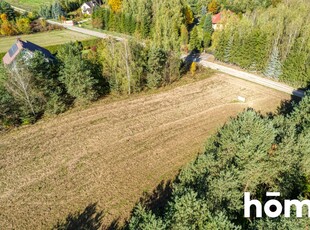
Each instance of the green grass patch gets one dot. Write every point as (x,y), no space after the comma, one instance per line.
(29,4)
(44,39)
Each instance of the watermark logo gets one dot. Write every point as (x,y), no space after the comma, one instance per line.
(273,208)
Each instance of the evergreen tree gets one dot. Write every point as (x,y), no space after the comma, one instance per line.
(45,11)
(207,39)
(274,67)
(45,79)
(9,108)
(203,11)
(156,64)
(194,41)
(76,74)
(296,68)
(184,36)
(144,18)
(249,153)
(207,25)
(144,220)
(57,11)
(112,22)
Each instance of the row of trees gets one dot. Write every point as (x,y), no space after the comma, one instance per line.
(38,86)
(129,66)
(200,7)
(104,18)
(275,42)
(60,8)
(251,153)
(168,24)
(55,11)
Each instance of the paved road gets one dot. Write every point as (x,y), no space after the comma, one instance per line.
(250,77)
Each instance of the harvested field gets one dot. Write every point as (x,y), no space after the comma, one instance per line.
(112,153)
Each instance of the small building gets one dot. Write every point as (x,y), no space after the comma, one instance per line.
(217,19)
(88,7)
(26,50)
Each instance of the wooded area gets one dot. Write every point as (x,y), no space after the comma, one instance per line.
(273,41)
(249,153)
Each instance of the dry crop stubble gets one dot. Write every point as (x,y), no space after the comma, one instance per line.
(112,153)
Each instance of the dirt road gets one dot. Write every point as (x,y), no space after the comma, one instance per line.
(86,31)
(112,153)
(204,60)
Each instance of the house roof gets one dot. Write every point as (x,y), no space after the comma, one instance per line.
(217,18)
(91,3)
(19,46)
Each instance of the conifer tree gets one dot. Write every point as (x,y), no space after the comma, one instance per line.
(227,51)
(274,67)
(184,35)
(57,11)
(76,74)
(195,43)
(206,39)
(207,25)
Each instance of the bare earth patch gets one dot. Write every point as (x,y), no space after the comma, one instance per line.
(112,153)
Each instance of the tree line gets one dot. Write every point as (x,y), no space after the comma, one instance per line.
(250,153)
(274,42)
(78,75)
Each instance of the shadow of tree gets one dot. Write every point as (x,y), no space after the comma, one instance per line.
(114,225)
(157,200)
(89,219)
(287,106)
(193,56)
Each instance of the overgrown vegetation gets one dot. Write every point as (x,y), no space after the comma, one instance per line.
(252,153)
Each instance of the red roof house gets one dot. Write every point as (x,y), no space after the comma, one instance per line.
(217,18)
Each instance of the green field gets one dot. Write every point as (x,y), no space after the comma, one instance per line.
(44,39)
(29,4)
